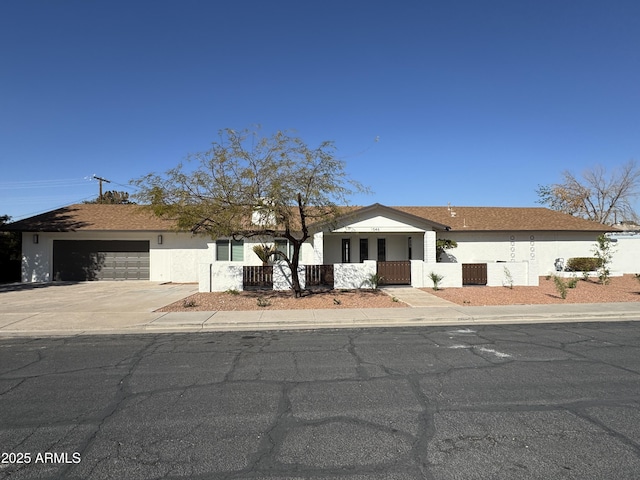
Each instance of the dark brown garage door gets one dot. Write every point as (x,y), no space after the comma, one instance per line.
(80,260)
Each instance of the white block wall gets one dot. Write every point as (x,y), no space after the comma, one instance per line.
(353,275)
(533,247)
(282,276)
(220,277)
(497,276)
(451,273)
(626,256)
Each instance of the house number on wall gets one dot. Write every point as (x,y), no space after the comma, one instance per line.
(375,229)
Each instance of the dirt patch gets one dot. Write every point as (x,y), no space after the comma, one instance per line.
(620,289)
(270,300)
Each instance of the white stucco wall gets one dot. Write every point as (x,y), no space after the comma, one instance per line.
(378,223)
(626,254)
(421,271)
(498,274)
(353,275)
(540,247)
(175,260)
(282,276)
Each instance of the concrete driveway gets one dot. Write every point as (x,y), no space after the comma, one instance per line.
(58,307)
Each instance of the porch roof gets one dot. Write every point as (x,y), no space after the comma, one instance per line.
(356,213)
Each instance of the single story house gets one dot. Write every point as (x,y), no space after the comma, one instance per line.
(127,242)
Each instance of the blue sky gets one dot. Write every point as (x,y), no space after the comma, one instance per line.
(473,102)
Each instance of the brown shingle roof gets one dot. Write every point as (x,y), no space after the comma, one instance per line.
(505,219)
(96,217)
(93,217)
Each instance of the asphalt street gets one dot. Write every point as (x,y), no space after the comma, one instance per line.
(555,401)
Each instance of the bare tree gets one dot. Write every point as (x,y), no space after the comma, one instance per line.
(598,196)
(251,186)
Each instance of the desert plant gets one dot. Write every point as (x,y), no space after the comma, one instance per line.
(436,279)
(264,252)
(604,251)
(572,282)
(375,280)
(560,286)
(508,278)
(585,275)
(232,291)
(263,302)
(337,301)
(189,303)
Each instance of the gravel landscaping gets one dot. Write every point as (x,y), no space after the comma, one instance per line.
(270,300)
(620,289)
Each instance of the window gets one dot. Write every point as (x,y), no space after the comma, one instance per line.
(364,249)
(229,250)
(346,250)
(283,245)
(382,249)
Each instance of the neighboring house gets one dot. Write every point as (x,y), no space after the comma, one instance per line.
(94,241)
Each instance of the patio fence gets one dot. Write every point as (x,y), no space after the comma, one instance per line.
(319,275)
(257,276)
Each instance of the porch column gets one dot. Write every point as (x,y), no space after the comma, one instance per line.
(318,248)
(430,246)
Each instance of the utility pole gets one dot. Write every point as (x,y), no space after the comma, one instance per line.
(100,179)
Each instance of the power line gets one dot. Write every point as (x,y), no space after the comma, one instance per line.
(63,182)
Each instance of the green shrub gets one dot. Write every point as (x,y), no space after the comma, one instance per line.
(583,264)
(572,282)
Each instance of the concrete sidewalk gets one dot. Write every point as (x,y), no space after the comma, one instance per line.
(129,307)
(391,317)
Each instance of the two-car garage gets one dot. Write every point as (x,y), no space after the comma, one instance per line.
(81,260)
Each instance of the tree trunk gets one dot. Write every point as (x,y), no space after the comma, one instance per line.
(295,279)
